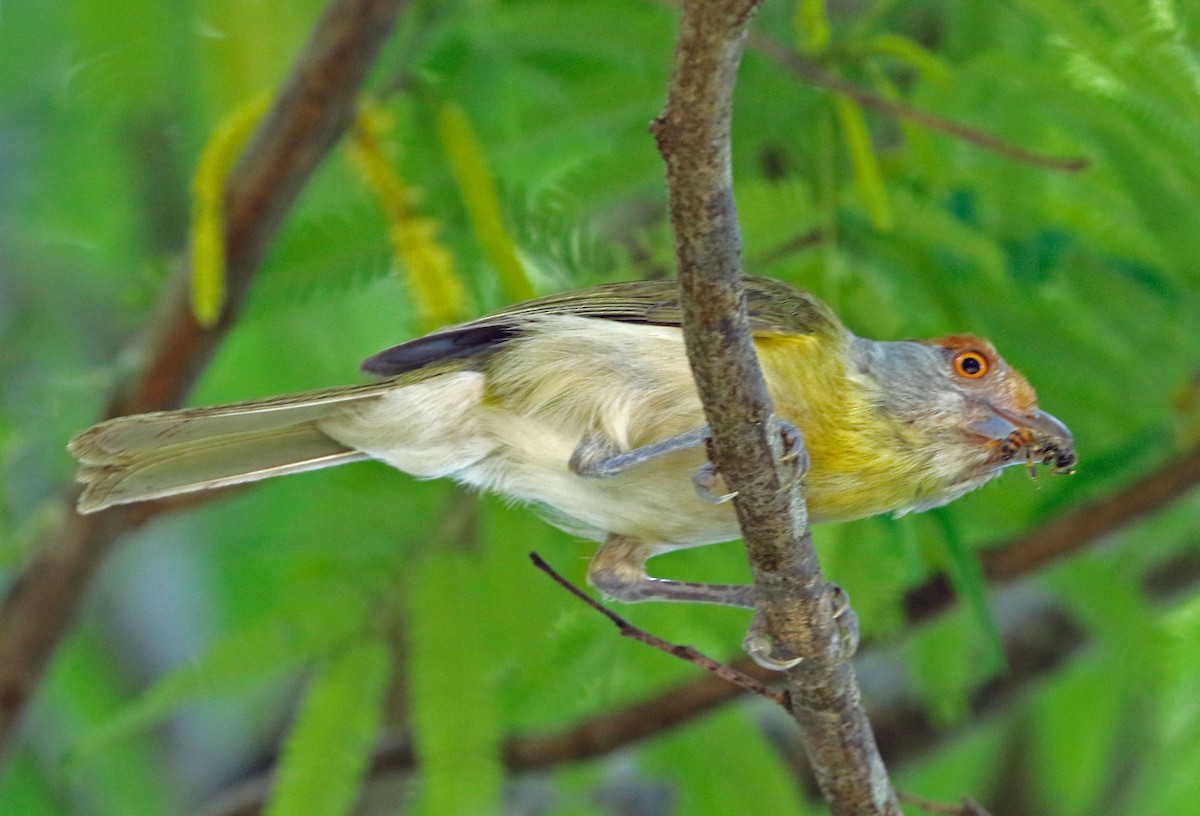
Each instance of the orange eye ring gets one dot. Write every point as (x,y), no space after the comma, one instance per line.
(971,364)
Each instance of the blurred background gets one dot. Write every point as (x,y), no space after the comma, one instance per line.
(293,626)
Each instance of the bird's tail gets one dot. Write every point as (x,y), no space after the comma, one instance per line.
(152,456)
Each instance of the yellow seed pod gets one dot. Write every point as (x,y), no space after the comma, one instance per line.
(208,207)
(439,295)
(478,189)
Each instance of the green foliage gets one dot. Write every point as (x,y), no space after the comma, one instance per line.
(966,576)
(944,668)
(1164,785)
(456,719)
(26,788)
(967,763)
(1078,726)
(1087,282)
(258,652)
(744,776)
(327,749)
(86,690)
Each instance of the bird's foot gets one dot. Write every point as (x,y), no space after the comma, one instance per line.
(758,645)
(795,452)
(710,486)
(846,620)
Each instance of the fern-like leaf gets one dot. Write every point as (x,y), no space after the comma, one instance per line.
(327,750)
(256,653)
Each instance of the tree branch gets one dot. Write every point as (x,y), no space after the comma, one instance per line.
(813,74)
(313,109)
(693,135)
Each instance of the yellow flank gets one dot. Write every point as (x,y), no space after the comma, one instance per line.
(863,462)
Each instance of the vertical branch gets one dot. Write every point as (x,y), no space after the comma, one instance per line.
(693,135)
(313,109)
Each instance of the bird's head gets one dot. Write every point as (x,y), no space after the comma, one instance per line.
(972,412)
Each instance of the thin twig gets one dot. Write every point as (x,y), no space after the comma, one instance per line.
(796,244)
(967,807)
(687,653)
(813,74)
(312,111)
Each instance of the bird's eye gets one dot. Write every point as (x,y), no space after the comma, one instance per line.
(970,364)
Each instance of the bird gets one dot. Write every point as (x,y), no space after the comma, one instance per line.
(583,405)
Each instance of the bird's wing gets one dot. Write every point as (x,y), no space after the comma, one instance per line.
(775,308)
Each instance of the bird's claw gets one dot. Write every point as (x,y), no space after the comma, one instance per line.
(846,620)
(705,481)
(758,645)
(761,649)
(795,452)
(710,486)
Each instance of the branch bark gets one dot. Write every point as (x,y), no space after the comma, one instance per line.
(693,135)
(313,109)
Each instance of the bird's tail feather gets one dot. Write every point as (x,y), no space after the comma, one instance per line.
(153,456)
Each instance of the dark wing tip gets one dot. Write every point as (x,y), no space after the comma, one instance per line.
(451,344)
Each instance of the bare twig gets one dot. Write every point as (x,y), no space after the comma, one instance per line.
(967,807)
(813,74)
(312,110)
(796,244)
(688,653)
(693,136)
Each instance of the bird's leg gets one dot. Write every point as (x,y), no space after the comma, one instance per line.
(619,571)
(598,457)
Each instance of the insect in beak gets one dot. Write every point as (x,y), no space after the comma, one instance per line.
(1034,437)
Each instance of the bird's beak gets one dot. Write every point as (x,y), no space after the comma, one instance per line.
(1039,435)
(1042,424)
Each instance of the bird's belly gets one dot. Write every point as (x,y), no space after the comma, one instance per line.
(653,501)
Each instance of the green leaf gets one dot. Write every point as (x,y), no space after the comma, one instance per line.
(260,651)
(1078,722)
(724,765)
(478,188)
(966,764)
(941,665)
(326,753)
(925,62)
(812,26)
(454,712)
(1166,782)
(26,788)
(866,164)
(966,576)
(86,687)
